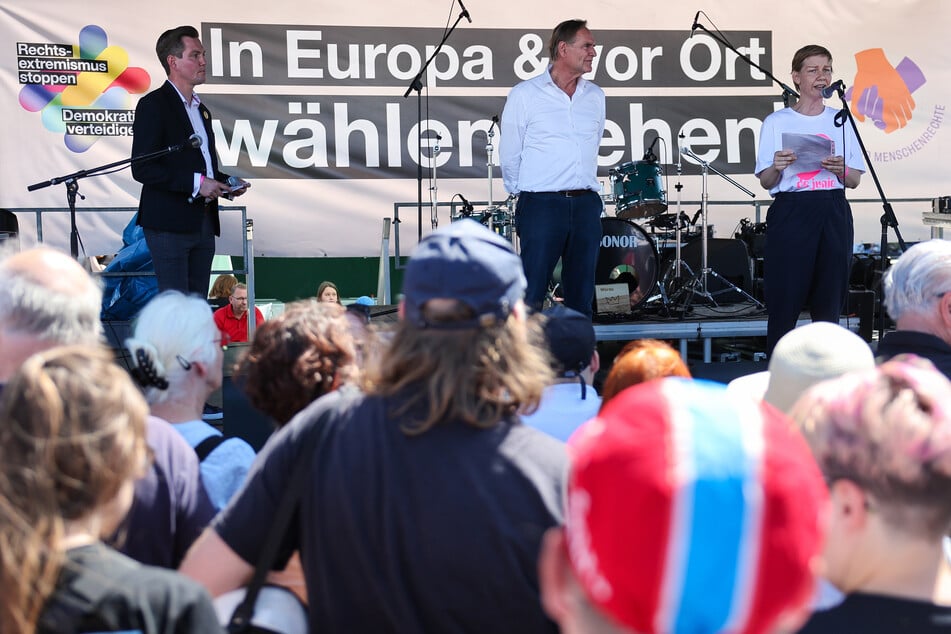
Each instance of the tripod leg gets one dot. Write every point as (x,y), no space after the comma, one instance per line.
(730,286)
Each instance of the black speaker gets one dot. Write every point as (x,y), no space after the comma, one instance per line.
(9,225)
(727,257)
(861,304)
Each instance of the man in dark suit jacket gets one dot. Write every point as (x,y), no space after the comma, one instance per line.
(178,208)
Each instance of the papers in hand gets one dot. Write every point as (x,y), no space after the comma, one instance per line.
(810,150)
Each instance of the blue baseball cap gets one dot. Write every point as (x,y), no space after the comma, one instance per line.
(466,262)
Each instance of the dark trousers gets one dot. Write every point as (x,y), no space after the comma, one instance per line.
(183,260)
(807,259)
(552,226)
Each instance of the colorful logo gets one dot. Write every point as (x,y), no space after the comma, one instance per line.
(84,97)
(882,92)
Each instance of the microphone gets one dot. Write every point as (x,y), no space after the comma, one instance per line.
(466,205)
(696,23)
(649,155)
(465,13)
(836,86)
(693,221)
(192,141)
(495,122)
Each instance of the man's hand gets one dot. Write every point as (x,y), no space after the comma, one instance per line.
(211,189)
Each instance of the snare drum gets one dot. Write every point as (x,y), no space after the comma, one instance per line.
(627,254)
(638,190)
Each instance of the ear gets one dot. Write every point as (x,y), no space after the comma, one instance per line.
(200,368)
(595,364)
(401,310)
(849,503)
(554,570)
(944,314)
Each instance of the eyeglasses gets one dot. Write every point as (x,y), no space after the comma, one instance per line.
(222,341)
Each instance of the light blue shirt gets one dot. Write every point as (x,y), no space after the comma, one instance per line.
(549,141)
(223,471)
(562,410)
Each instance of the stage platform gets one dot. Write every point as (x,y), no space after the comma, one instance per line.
(703,324)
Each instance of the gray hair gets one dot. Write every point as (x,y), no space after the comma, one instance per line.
(918,278)
(30,306)
(169,333)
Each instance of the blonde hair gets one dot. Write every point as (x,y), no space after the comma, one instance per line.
(477,376)
(888,430)
(72,433)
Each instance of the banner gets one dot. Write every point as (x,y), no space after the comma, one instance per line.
(319,113)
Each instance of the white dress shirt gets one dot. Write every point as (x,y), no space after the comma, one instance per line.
(549,141)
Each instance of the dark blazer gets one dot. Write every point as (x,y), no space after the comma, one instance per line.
(168,181)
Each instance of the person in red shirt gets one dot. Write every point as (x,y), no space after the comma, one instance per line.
(232,320)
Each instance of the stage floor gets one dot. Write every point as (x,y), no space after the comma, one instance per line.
(704,325)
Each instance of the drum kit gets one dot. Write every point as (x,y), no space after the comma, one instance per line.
(628,252)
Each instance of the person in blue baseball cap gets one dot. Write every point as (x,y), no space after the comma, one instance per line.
(426,498)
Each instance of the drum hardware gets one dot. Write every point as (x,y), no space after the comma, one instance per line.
(434,188)
(697,284)
(627,255)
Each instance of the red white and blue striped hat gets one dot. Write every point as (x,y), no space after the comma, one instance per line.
(693,510)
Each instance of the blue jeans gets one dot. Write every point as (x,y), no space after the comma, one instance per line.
(552,226)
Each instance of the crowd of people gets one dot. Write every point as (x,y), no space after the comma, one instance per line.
(461,472)
(457,471)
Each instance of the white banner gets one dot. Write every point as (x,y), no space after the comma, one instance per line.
(312,106)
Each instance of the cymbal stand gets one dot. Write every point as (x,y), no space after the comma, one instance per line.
(673,274)
(488,168)
(434,187)
(698,285)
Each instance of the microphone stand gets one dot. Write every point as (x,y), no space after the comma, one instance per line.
(72,186)
(417,85)
(700,281)
(888,218)
(787,91)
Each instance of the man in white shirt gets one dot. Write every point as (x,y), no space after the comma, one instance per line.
(552,126)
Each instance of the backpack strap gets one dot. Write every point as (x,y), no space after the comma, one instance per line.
(208,445)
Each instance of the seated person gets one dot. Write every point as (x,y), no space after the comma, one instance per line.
(221,290)
(232,320)
(327,292)
(882,438)
(72,443)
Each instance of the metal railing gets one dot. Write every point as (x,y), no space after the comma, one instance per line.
(247,244)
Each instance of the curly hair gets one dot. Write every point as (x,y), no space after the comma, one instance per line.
(888,430)
(72,434)
(297,357)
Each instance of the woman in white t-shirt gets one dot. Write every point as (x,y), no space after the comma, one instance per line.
(808,154)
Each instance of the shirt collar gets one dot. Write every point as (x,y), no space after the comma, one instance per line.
(196,100)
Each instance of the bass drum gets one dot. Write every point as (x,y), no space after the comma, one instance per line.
(627,254)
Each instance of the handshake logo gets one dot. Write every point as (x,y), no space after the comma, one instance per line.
(882,92)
